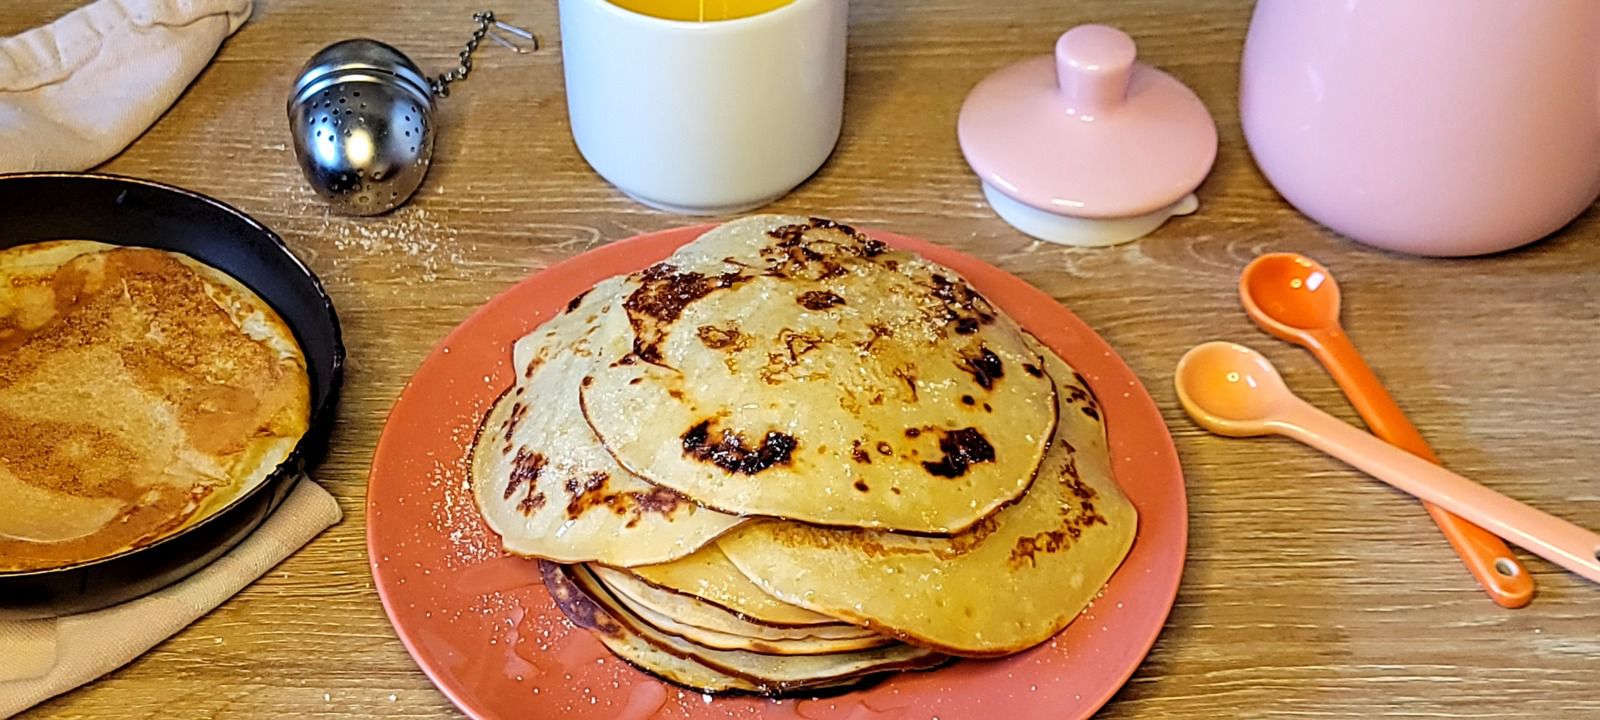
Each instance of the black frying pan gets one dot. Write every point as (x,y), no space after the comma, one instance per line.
(126,211)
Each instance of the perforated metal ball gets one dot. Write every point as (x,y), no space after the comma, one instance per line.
(361,117)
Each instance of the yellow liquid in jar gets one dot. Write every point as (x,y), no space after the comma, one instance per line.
(700,10)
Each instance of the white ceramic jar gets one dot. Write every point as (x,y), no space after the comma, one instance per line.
(705,118)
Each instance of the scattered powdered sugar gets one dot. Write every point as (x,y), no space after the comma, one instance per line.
(410,235)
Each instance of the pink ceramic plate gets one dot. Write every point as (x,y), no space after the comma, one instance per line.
(482,627)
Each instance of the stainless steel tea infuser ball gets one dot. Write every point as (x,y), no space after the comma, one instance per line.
(361,117)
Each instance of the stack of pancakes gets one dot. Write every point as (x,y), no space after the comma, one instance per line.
(790,458)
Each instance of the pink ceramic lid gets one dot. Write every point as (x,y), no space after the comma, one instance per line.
(1089,132)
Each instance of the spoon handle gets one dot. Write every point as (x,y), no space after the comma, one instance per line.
(1541,533)
(1486,556)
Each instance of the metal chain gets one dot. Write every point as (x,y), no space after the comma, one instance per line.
(441,84)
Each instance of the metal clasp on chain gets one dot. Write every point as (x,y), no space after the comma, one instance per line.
(487,24)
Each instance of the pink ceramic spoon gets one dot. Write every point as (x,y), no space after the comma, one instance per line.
(1232,390)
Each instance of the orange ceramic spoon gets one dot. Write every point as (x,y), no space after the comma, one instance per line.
(1232,390)
(1296,299)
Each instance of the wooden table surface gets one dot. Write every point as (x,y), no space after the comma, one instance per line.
(1311,591)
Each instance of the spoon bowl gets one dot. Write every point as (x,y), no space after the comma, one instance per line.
(1230,389)
(1289,295)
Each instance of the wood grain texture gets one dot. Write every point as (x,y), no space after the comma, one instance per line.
(1311,592)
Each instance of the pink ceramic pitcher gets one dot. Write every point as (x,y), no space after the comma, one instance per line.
(1435,127)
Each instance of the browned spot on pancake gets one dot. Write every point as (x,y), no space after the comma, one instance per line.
(962,449)
(859,455)
(791,237)
(636,381)
(636,504)
(906,376)
(962,307)
(819,249)
(967,400)
(675,393)
(1079,396)
(848,401)
(663,294)
(781,366)
(984,366)
(577,300)
(1075,519)
(730,452)
(1032,369)
(721,338)
(818,300)
(593,491)
(894,489)
(518,412)
(586,492)
(913,432)
(884,448)
(531,503)
(1027,548)
(525,470)
(658,500)
(799,343)
(825,223)
(875,331)
(861,486)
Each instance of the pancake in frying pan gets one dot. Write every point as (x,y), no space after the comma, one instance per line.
(140,390)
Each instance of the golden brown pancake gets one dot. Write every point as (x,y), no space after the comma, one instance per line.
(1000,588)
(795,368)
(543,481)
(140,391)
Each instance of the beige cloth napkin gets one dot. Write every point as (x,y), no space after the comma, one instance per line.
(40,659)
(75,92)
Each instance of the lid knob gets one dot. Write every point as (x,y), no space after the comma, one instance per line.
(1093,64)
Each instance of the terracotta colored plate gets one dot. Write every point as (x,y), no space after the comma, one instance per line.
(482,627)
